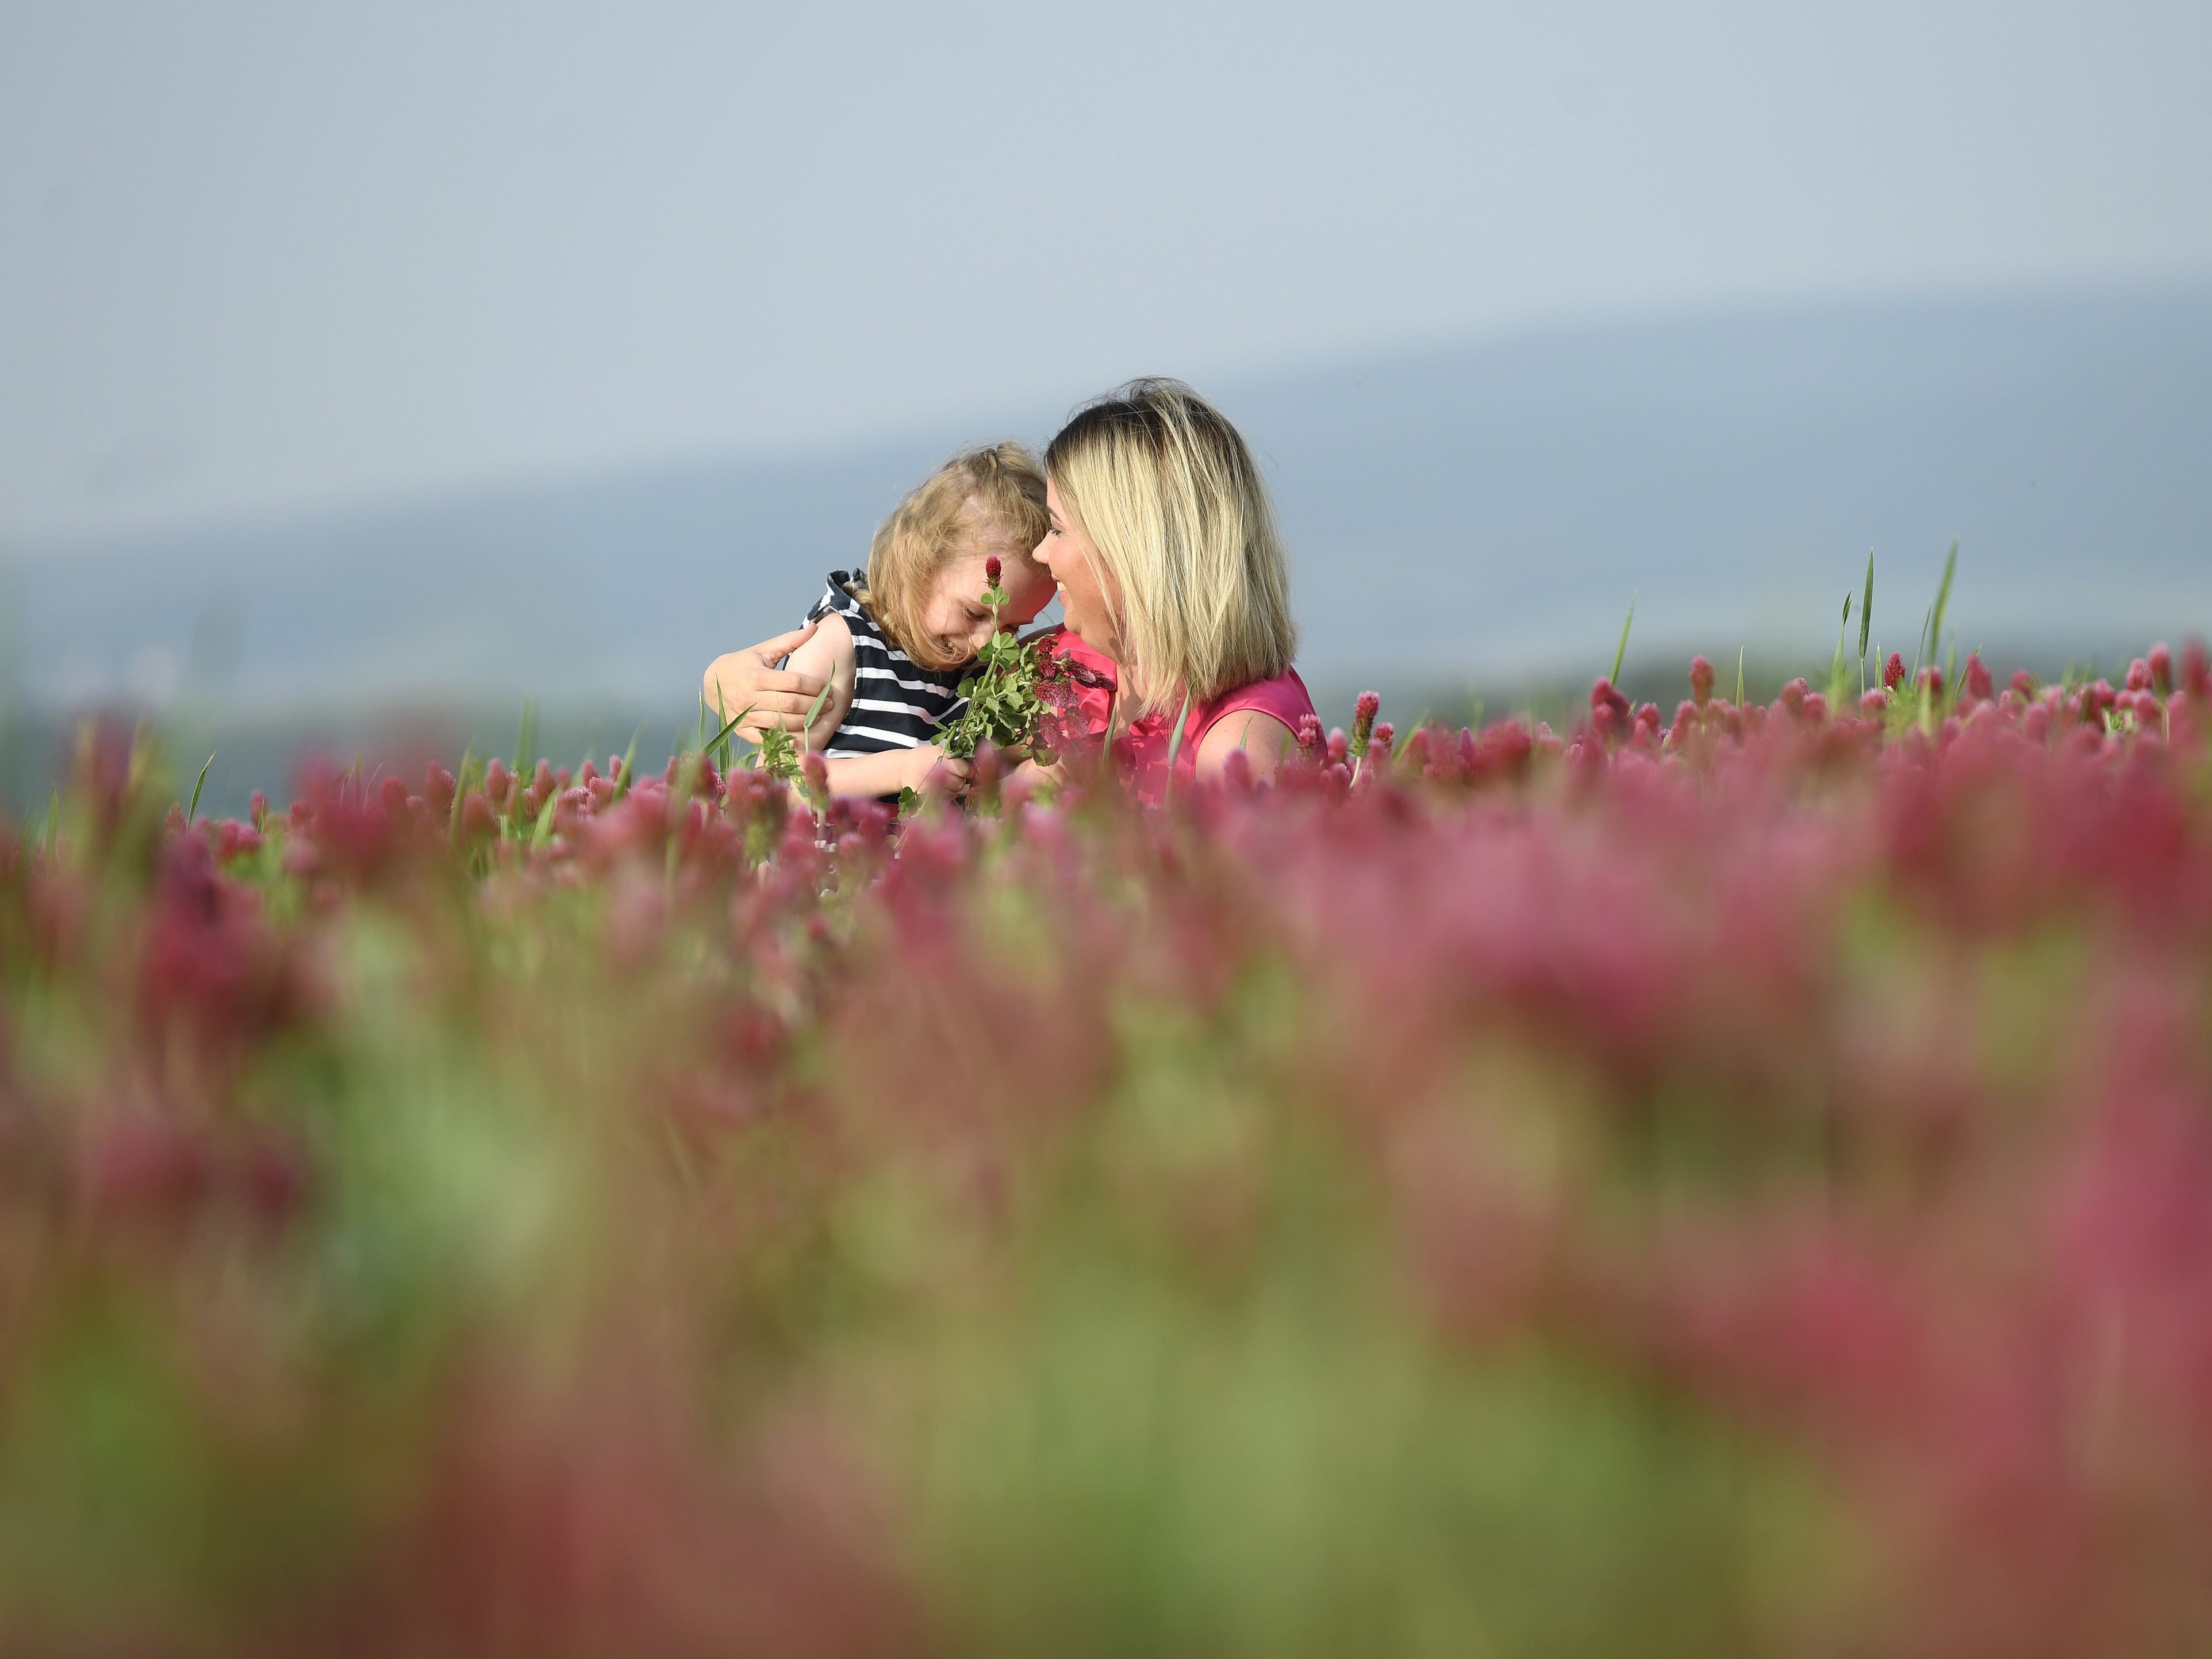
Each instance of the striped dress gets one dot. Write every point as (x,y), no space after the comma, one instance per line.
(897,703)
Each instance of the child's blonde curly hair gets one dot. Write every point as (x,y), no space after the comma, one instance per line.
(990,499)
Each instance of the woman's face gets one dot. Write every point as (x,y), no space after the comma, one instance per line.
(1066,551)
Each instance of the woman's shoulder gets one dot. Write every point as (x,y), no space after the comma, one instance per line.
(1282,696)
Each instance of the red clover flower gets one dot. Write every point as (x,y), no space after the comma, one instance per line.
(1363,720)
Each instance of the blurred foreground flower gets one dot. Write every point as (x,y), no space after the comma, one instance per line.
(1734,1185)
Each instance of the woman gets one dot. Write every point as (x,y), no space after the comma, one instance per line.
(1163,542)
(1163,545)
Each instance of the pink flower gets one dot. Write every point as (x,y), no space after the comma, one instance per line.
(2161,670)
(147,1164)
(1979,686)
(1363,720)
(991,569)
(1892,671)
(478,821)
(1701,680)
(1610,716)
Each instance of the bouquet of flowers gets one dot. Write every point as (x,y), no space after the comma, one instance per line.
(1021,695)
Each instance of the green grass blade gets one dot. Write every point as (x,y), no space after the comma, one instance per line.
(629,758)
(807,732)
(460,793)
(1942,600)
(1739,676)
(1174,748)
(525,740)
(1836,668)
(542,831)
(1866,618)
(721,738)
(193,810)
(53,831)
(1620,651)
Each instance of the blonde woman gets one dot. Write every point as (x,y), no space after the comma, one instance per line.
(1162,543)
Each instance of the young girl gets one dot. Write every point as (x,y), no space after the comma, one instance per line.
(893,645)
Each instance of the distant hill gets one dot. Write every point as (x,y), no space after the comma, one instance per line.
(1474,512)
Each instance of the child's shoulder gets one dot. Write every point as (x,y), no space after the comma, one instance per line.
(838,598)
(831,646)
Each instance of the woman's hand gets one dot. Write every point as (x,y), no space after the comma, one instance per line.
(750,681)
(1032,774)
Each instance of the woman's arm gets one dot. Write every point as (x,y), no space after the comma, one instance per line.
(1264,740)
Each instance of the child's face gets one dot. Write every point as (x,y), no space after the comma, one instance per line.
(955,616)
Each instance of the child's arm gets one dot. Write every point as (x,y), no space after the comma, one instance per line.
(827,657)
(920,769)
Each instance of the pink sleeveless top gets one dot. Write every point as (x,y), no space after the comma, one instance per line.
(1140,748)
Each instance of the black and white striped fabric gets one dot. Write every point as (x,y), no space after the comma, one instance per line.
(897,703)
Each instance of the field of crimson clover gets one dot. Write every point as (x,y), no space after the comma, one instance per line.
(1737,1182)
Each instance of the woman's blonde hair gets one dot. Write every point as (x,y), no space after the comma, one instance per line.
(1193,566)
(991,497)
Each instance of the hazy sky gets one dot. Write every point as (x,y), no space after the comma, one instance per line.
(259,257)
